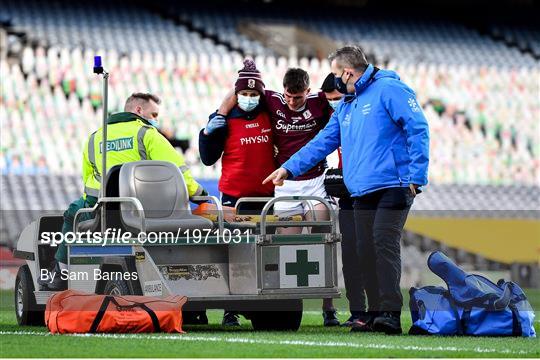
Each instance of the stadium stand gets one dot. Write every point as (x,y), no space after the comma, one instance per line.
(483,110)
(526,39)
(115,25)
(482,142)
(409,38)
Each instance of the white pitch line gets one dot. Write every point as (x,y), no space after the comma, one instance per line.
(280,342)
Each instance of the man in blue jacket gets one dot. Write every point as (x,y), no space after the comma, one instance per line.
(384,139)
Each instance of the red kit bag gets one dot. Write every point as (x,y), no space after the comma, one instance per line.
(78,312)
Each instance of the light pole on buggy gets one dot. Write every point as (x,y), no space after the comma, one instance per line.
(98,69)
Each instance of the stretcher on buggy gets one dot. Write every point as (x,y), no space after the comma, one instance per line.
(216,261)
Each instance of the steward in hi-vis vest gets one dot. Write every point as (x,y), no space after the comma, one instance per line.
(131,136)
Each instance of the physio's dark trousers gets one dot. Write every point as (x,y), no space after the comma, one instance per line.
(379,220)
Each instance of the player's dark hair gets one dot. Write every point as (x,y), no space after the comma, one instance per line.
(350,56)
(329,84)
(296,80)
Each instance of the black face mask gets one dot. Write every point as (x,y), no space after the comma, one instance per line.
(340,85)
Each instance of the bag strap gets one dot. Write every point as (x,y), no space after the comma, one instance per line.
(462,328)
(100,314)
(495,302)
(151,313)
(516,321)
(515,298)
(153,316)
(504,301)
(105,304)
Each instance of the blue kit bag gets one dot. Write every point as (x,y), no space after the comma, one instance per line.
(470,305)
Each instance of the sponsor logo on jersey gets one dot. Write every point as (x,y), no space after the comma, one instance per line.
(118,144)
(254,140)
(264,131)
(252,125)
(280,113)
(296,119)
(282,125)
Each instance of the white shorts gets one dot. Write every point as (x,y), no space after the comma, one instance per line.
(310,187)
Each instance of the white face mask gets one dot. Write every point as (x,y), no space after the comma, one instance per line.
(248,103)
(334,103)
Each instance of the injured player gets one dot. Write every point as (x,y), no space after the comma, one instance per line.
(297,116)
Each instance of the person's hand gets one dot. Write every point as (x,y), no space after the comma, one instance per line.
(215,123)
(277,177)
(413,188)
(228,103)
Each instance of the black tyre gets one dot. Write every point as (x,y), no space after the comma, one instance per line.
(26,309)
(279,320)
(116,288)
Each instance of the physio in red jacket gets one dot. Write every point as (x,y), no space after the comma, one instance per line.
(243,141)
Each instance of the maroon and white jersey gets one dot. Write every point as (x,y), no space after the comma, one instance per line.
(294,129)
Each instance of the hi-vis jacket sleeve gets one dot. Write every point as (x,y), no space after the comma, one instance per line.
(87,168)
(159,148)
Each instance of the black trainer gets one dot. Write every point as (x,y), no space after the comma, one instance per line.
(330,318)
(361,326)
(230,318)
(362,316)
(388,322)
(350,321)
(364,323)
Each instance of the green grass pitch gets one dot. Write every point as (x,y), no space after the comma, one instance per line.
(312,340)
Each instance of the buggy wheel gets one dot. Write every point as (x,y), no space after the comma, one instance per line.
(27,311)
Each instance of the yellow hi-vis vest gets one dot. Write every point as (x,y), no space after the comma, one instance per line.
(129,138)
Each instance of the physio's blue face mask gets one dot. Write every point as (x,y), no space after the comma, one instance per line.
(154,123)
(248,103)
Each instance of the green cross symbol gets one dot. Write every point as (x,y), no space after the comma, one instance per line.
(302,268)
